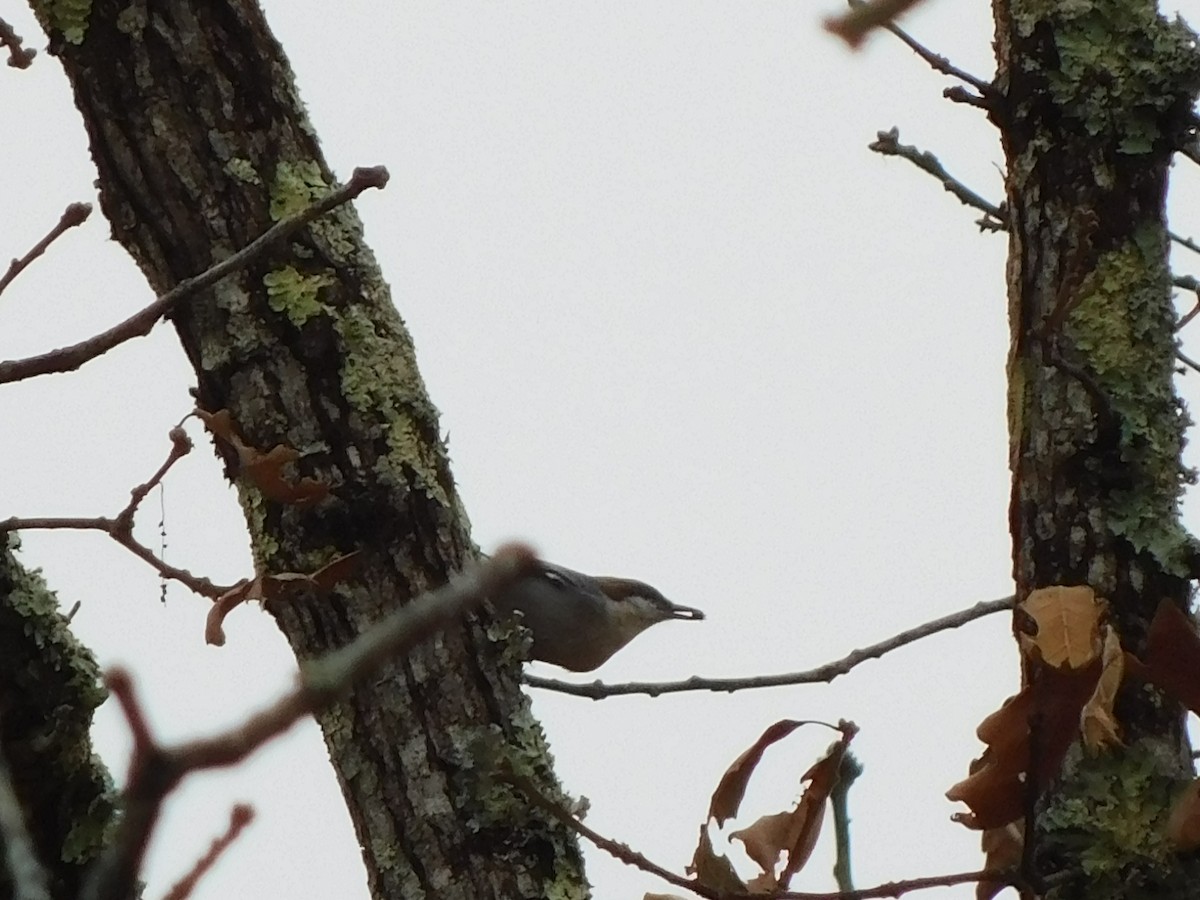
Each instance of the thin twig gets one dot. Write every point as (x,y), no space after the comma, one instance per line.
(67,359)
(1187,361)
(154,770)
(74,214)
(25,871)
(864,17)
(939,63)
(631,857)
(241,816)
(18,56)
(120,527)
(1184,241)
(900,888)
(988,95)
(598,690)
(888,144)
(616,849)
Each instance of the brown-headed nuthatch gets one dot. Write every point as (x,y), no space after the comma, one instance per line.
(578,621)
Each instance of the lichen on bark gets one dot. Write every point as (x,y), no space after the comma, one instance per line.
(1095,96)
(49,689)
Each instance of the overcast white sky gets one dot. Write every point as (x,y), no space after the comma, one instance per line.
(682,326)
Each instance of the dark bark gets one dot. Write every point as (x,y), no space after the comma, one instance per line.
(49,688)
(1097,96)
(201,143)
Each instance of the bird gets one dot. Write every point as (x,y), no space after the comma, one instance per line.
(579,621)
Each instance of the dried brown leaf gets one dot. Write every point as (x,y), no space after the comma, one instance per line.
(264,470)
(274,587)
(1053,701)
(732,787)
(1171,659)
(712,869)
(1097,722)
(822,778)
(225,604)
(1068,625)
(770,837)
(763,883)
(338,570)
(1002,849)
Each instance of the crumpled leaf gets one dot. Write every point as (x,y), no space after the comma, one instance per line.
(1002,848)
(771,836)
(795,832)
(264,470)
(244,590)
(995,788)
(712,869)
(270,587)
(1097,723)
(732,787)
(1067,625)
(1171,659)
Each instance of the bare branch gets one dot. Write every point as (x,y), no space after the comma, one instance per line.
(67,359)
(120,528)
(987,93)
(29,880)
(241,816)
(888,144)
(75,214)
(900,888)
(598,690)
(154,771)
(18,56)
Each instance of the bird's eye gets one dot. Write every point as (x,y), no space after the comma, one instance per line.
(554,577)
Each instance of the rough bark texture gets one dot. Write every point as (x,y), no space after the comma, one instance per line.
(49,688)
(201,143)
(1097,96)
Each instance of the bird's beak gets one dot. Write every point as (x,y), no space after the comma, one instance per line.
(685,612)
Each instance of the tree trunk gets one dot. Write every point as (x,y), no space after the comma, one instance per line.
(1097,96)
(201,143)
(49,688)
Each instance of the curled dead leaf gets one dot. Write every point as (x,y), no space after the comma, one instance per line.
(1052,702)
(770,837)
(732,787)
(794,832)
(273,587)
(1067,622)
(1002,848)
(1097,722)
(712,869)
(1171,659)
(264,470)
(241,592)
